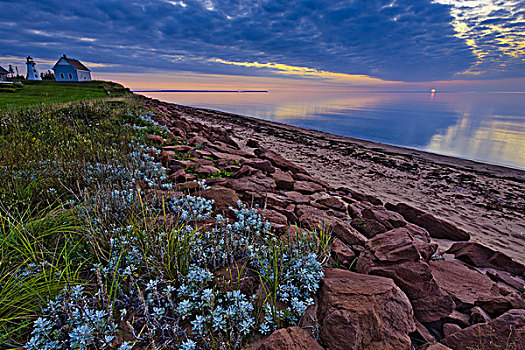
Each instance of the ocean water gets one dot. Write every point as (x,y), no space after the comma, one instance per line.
(486,127)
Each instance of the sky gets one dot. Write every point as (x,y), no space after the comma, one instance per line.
(242,44)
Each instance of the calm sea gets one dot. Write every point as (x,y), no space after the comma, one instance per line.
(487,127)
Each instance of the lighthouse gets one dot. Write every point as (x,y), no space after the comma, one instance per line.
(32,74)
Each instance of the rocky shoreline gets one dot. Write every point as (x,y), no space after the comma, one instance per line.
(400,276)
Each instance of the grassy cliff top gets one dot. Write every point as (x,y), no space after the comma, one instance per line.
(31,93)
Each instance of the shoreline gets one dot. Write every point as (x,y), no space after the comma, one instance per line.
(483,199)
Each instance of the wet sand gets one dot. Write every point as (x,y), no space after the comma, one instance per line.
(488,201)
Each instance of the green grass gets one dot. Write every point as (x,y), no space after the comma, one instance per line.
(34,93)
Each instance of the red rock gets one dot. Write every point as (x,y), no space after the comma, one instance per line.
(223,197)
(155,138)
(205,170)
(178,176)
(430,303)
(261,164)
(502,276)
(368,227)
(253,183)
(296,197)
(438,228)
(307,187)
(166,156)
(422,335)
(311,216)
(274,200)
(462,283)
(279,161)
(363,312)
(504,332)
(202,153)
(364,197)
(394,246)
(198,141)
(292,338)
(478,255)
(333,202)
(477,315)
(450,328)
(497,305)
(434,346)
(178,148)
(228,156)
(305,177)
(459,318)
(389,219)
(348,234)
(190,186)
(422,241)
(245,171)
(341,253)
(283,181)
(274,217)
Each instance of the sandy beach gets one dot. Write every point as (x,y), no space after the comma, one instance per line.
(485,200)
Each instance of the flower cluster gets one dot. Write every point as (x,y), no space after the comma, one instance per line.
(72,321)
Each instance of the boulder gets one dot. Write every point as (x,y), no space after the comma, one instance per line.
(504,332)
(205,170)
(292,338)
(438,228)
(389,219)
(497,305)
(394,246)
(223,197)
(363,312)
(462,283)
(479,255)
(341,253)
(333,202)
(434,346)
(296,197)
(261,164)
(415,278)
(155,138)
(477,315)
(252,183)
(348,234)
(307,187)
(279,161)
(450,328)
(283,181)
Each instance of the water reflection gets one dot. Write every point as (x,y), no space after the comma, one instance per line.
(480,126)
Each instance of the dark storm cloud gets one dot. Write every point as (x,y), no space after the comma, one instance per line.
(398,40)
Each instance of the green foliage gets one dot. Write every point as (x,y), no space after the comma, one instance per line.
(34,93)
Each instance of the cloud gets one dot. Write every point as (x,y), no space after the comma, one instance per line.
(398,40)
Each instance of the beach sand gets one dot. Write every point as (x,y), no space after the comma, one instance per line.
(488,201)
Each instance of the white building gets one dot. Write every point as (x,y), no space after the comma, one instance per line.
(69,69)
(32,74)
(3,74)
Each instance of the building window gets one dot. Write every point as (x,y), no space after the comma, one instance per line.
(62,75)
(70,76)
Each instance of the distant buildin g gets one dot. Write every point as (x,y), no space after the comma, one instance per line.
(3,74)
(32,74)
(69,69)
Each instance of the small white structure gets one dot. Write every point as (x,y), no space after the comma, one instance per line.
(69,69)
(3,74)
(32,74)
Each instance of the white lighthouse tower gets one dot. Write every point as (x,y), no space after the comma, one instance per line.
(32,74)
